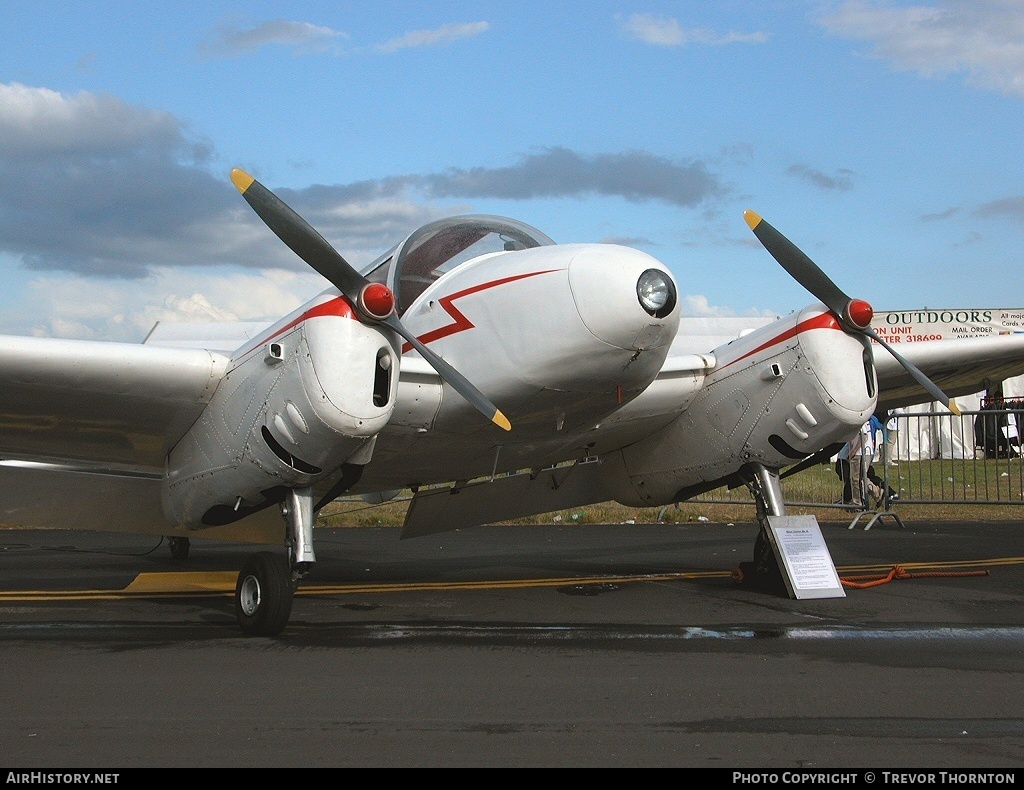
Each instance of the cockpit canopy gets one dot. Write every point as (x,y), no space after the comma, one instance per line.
(438,247)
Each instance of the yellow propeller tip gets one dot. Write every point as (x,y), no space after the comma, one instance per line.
(241,179)
(954,408)
(501,420)
(752,218)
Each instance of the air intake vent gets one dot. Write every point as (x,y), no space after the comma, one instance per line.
(295,463)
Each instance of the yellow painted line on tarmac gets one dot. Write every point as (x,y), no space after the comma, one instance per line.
(145,585)
(222,583)
(184,584)
(178,581)
(335,589)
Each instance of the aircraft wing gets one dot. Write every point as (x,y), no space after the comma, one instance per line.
(958,367)
(486,501)
(118,405)
(85,428)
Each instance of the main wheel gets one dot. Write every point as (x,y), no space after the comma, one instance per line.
(767,573)
(263,594)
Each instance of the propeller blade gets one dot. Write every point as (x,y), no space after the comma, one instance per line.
(303,239)
(300,237)
(918,375)
(801,268)
(458,382)
(854,314)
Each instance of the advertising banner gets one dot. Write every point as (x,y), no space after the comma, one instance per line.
(915,326)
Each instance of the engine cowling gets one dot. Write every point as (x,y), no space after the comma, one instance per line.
(775,397)
(309,396)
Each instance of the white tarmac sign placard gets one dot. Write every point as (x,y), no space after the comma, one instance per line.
(803,558)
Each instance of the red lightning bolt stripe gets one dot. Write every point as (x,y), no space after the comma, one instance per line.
(460,322)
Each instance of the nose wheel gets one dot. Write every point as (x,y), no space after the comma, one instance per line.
(267,582)
(263,594)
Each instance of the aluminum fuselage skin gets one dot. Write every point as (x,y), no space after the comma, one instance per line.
(554,335)
(774,397)
(295,404)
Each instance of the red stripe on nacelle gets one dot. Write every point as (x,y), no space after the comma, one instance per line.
(338,306)
(823,321)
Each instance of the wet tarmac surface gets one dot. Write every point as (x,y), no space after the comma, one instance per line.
(583,645)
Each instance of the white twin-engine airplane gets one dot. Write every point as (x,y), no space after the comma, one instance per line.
(489,370)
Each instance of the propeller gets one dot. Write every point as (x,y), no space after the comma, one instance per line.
(854,314)
(373,302)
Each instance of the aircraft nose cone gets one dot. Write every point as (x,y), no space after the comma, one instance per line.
(625,297)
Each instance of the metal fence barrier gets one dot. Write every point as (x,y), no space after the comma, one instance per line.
(930,458)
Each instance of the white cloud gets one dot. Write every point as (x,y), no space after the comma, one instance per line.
(125,310)
(43,122)
(300,37)
(445,34)
(130,192)
(982,39)
(698,306)
(110,213)
(667,32)
(123,185)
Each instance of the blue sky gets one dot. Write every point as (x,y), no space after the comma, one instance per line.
(884,138)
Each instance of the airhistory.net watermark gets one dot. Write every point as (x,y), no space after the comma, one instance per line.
(60,778)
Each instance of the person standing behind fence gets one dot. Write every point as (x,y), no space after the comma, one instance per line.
(992,430)
(1012,429)
(889,449)
(842,468)
(880,434)
(860,454)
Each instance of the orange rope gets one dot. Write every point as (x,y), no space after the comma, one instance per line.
(899,572)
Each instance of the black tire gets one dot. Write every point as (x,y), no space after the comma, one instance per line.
(179,548)
(761,547)
(263,594)
(767,574)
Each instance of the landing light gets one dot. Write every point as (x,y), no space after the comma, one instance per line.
(656,292)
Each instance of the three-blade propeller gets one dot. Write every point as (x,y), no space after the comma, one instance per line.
(372,301)
(854,314)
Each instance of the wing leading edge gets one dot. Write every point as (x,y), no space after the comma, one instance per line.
(116,405)
(957,366)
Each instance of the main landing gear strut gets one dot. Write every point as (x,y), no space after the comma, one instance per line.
(764,571)
(267,582)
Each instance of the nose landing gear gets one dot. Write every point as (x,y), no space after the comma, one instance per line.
(267,582)
(263,594)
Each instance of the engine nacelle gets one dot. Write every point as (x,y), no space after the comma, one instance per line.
(775,397)
(296,404)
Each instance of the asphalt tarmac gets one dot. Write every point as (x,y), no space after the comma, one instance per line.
(549,646)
